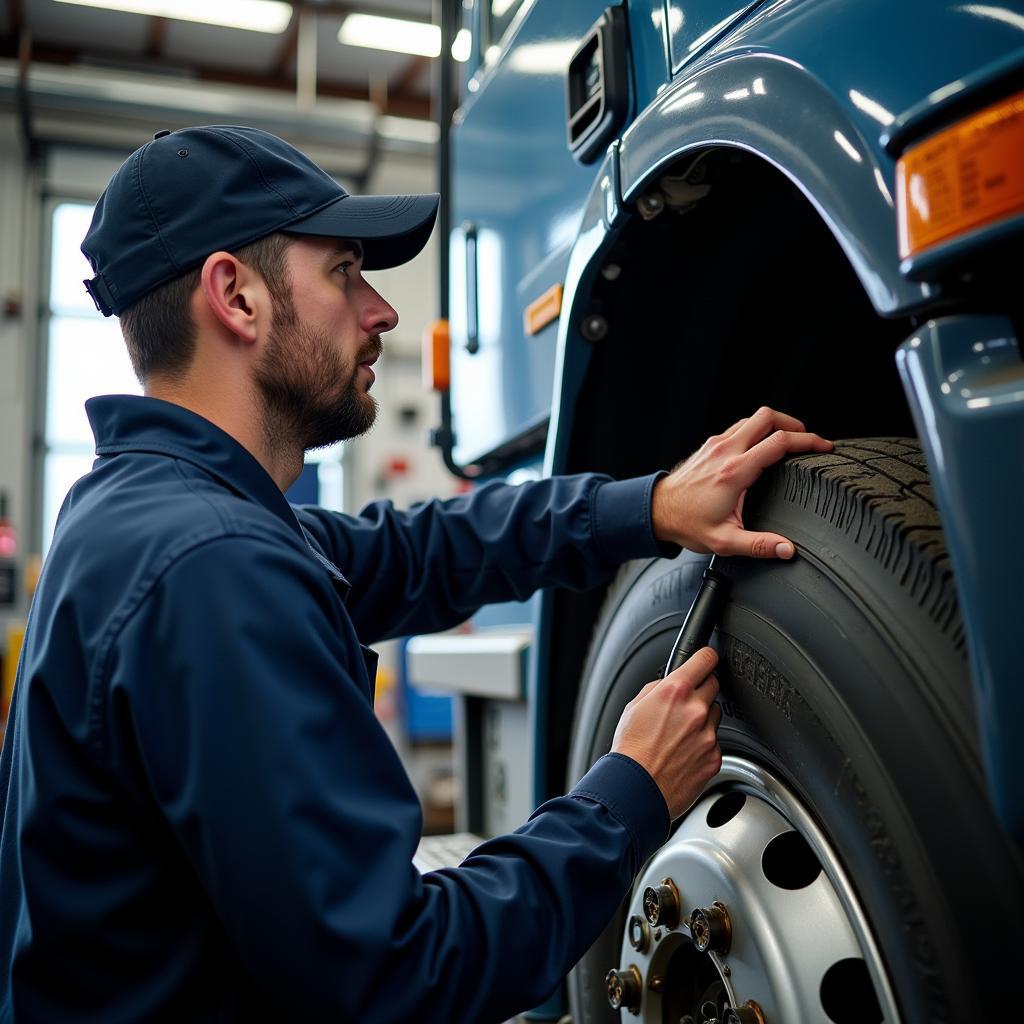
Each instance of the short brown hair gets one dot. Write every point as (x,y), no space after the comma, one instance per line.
(159,330)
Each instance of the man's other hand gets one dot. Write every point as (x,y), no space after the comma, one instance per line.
(671,728)
(699,505)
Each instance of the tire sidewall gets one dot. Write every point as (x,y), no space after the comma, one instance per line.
(817,692)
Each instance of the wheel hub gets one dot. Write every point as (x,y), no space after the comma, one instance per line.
(775,935)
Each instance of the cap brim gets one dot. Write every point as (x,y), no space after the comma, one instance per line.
(393,229)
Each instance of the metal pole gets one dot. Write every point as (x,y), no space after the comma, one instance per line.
(445,15)
(305,60)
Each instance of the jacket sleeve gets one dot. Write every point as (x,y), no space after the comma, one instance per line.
(429,568)
(260,748)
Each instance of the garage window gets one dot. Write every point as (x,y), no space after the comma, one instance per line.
(85,356)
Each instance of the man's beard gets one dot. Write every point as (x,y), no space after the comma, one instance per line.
(310,397)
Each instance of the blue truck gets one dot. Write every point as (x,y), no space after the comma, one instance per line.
(661,215)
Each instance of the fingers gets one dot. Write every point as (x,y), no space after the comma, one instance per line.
(715,716)
(708,691)
(670,729)
(754,545)
(696,669)
(694,674)
(731,432)
(646,689)
(742,470)
(783,442)
(754,428)
(772,434)
(695,678)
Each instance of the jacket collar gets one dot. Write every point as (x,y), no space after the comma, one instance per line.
(133,423)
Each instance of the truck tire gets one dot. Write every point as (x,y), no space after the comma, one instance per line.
(844,681)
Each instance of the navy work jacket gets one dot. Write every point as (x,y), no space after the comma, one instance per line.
(203,819)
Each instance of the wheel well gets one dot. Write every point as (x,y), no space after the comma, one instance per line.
(742,299)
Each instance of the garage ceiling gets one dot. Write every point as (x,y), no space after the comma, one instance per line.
(46,32)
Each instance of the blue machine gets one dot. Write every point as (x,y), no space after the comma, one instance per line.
(715,204)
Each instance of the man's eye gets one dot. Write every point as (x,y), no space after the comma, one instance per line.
(343,267)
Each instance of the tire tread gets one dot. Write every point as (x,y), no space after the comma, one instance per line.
(877,492)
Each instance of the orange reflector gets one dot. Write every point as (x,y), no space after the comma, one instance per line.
(963,178)
(539,313)
(437,374)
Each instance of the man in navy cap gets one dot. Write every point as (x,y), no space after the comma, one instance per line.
(202,819)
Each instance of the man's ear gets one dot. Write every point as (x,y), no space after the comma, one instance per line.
(234,294)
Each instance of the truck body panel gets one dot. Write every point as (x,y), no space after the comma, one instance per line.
(827,93)
(965,380)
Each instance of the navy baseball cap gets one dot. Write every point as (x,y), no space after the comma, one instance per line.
(195,191)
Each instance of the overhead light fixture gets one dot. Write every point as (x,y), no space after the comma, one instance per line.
(396,34)
(253,15)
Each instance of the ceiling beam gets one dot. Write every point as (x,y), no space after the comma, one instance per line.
(336,9)
(400,106)
(157,31)
(15,16)
(402,86)
(288,48)
(404,106)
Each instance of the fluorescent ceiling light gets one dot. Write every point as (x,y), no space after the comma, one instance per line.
(395,34)
(254,15)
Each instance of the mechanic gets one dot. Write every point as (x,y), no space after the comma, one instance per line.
(202,817)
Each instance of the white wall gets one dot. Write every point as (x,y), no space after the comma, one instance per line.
(413,290)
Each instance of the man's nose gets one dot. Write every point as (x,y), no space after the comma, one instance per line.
(379,316)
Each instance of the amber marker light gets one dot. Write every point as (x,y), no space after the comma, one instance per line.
(437,374)
(543,311)
(963,178)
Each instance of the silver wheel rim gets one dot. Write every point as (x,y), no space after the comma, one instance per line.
(799,934)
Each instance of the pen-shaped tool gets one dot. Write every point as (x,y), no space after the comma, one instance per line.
(701,618)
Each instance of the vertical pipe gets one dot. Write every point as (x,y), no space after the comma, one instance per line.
(305,61)
(445,15)
(31,144)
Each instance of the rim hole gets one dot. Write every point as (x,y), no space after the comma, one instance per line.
(847,995)
(789,862)
(725,808)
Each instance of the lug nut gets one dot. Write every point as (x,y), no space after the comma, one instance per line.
(748,1013)
(661,904)
(711,929)
(639,933)
(624,989)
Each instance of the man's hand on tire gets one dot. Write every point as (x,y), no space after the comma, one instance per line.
(699,505)
(670,728)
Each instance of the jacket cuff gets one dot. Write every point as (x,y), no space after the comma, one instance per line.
(632,797)
(621,516)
